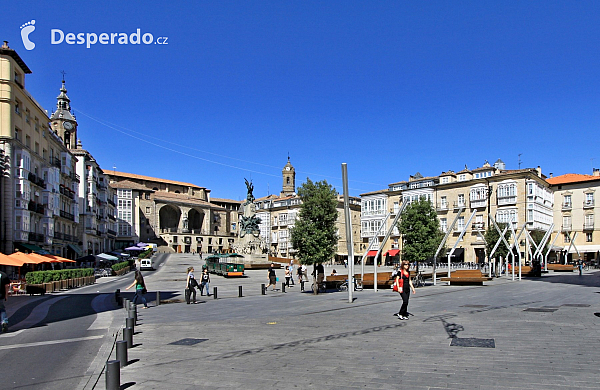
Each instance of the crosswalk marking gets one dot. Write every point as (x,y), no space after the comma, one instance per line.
(50,342)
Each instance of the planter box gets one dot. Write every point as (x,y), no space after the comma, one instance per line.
(35,289)
(49,287)
(56,285)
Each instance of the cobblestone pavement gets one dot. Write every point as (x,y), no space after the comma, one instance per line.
(529,334)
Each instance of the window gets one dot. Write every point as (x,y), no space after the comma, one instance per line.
(444,224)
(460,224)
(588,237)
(566,238)
(19,79)
(461,199)
(566,222)
(589,221)
(445,179)
(148,210)
(17,134)
(444,202)
(18,107)
(567,201)
(589,199)
(37,148)
(462,177)
(28,141)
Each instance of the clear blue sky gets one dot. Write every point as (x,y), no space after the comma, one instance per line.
(391,88)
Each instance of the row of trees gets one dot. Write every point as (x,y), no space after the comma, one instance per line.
(314,234)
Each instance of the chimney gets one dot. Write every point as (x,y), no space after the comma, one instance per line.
(5,46)
(596,172)
(551,174)
(539,171)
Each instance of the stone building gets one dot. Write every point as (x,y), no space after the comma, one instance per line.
(521,197)
(171,213)
(39,186)
(575,215)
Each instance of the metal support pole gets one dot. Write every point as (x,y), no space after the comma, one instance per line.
(349,243)
(122,352)
(214,293)
(113,375)
(282,287)
(240,292)
(158,298)
(128,337)
(548,252)
(437,252)
(263,289)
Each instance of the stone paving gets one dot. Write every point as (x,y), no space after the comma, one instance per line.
(529,334)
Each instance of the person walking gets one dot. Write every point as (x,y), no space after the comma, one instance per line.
(140,288)
(405,286)
(4,286)
(272,277)
(291,268)
(204,282)
(288,275)
(191,285)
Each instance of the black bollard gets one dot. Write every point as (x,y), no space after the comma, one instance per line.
(122,352)
(118,297)
(214,293)
(282,287)
(130,323)
(263,289)
(134,312)
(128,337)
(157,298)
(240,291)
(113,375)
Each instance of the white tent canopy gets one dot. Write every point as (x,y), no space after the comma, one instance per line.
(105,256)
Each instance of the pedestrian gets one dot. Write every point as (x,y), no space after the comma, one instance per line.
(580,267)
(291,268)
(345,263)
(319,273)
(272,277)
(4,286)
(405,286)
(140,288)
(190,286)
(204,282)
(288,276)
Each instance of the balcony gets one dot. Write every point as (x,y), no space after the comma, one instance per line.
(567,206)
(111,232)
(458,205)
(507,200)
(478,203)
(35,207)
(55,162)
(112,203)
(566,227)
(588,204)
(588,225)
(36,237)
(373,212)
(111,217)
(66,215)
(75,177)
(38,181)
(58,235)
(66,192)
(442,206)
(478,226)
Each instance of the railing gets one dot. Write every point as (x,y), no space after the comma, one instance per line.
(588,225)
(111,217)
(35,207)
(111,202)
(36,237)
(587,204)
(567,227)
(58,235)
(75,177)
(567,206)
(478,225)
(55,162)
(507,200)
(111,232)
(32,177)
(443,206)
(373,212)
(66,192)
(478,203)
(68,237)
(457,205)
(66,215)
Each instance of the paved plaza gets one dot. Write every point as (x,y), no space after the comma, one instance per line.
(532,334)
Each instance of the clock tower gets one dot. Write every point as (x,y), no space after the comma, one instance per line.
(289,180)
(63,121)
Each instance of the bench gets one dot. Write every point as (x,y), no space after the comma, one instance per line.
(384,279)
(332,281)
(561,267)
(466,276)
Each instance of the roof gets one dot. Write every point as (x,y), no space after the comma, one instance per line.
(7,51)
(168,197)
(226,200)
(571,178)
(130,185)
(149,178)
(375,192)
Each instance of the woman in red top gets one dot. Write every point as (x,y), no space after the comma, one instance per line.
(403,279)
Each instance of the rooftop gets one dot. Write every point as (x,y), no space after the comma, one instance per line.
(149,178)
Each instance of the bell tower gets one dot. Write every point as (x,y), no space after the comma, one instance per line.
(289,179)
(62,120)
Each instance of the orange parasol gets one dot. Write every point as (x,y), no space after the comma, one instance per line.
(7,260)
(38,259)
(59,259)
(22,258)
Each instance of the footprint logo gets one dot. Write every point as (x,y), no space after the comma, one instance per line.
(27,29)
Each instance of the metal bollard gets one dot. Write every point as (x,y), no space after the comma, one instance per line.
(118,296)
(263,289)
(157,298)
(128,337)
(122,352)
(214,293)
(282,287)
(113,375)
(134,312)
(125,304)
(240,292)
(130,323)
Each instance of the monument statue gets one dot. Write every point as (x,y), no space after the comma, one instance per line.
(250,243)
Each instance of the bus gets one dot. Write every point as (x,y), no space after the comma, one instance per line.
(227,264)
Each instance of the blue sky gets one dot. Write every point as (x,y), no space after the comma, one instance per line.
(390,88)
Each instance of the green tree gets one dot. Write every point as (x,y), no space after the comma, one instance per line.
(314,233)
(491,238)
(420,230)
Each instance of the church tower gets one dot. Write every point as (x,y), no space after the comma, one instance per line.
(63,121)
(289,180)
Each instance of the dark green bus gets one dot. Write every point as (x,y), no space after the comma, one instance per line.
(227,264)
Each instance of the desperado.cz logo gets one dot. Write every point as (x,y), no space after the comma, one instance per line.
(57,37)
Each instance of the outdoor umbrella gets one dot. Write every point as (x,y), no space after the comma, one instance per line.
(59,259)
(135,248)
(7,260)
(38,259)
(24,258)
(142,244)
(105,256)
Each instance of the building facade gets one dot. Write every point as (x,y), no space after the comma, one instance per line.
(575,217)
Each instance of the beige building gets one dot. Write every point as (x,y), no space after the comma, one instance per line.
(279,213)
(521,197)
(575,216)
(176,214)
(40,206)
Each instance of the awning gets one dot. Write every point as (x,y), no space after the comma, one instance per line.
(371,253)
(106,256)
(31,248)
(76,249)
(392,252)
(135,248)
(142,244)
(584,248)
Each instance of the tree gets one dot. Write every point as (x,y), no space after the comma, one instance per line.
(491,238)
(420,230)
(314,233)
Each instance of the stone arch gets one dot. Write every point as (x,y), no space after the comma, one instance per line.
(195,219)
(169,217)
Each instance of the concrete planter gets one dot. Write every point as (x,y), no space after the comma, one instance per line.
(35,289)
(49,287)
